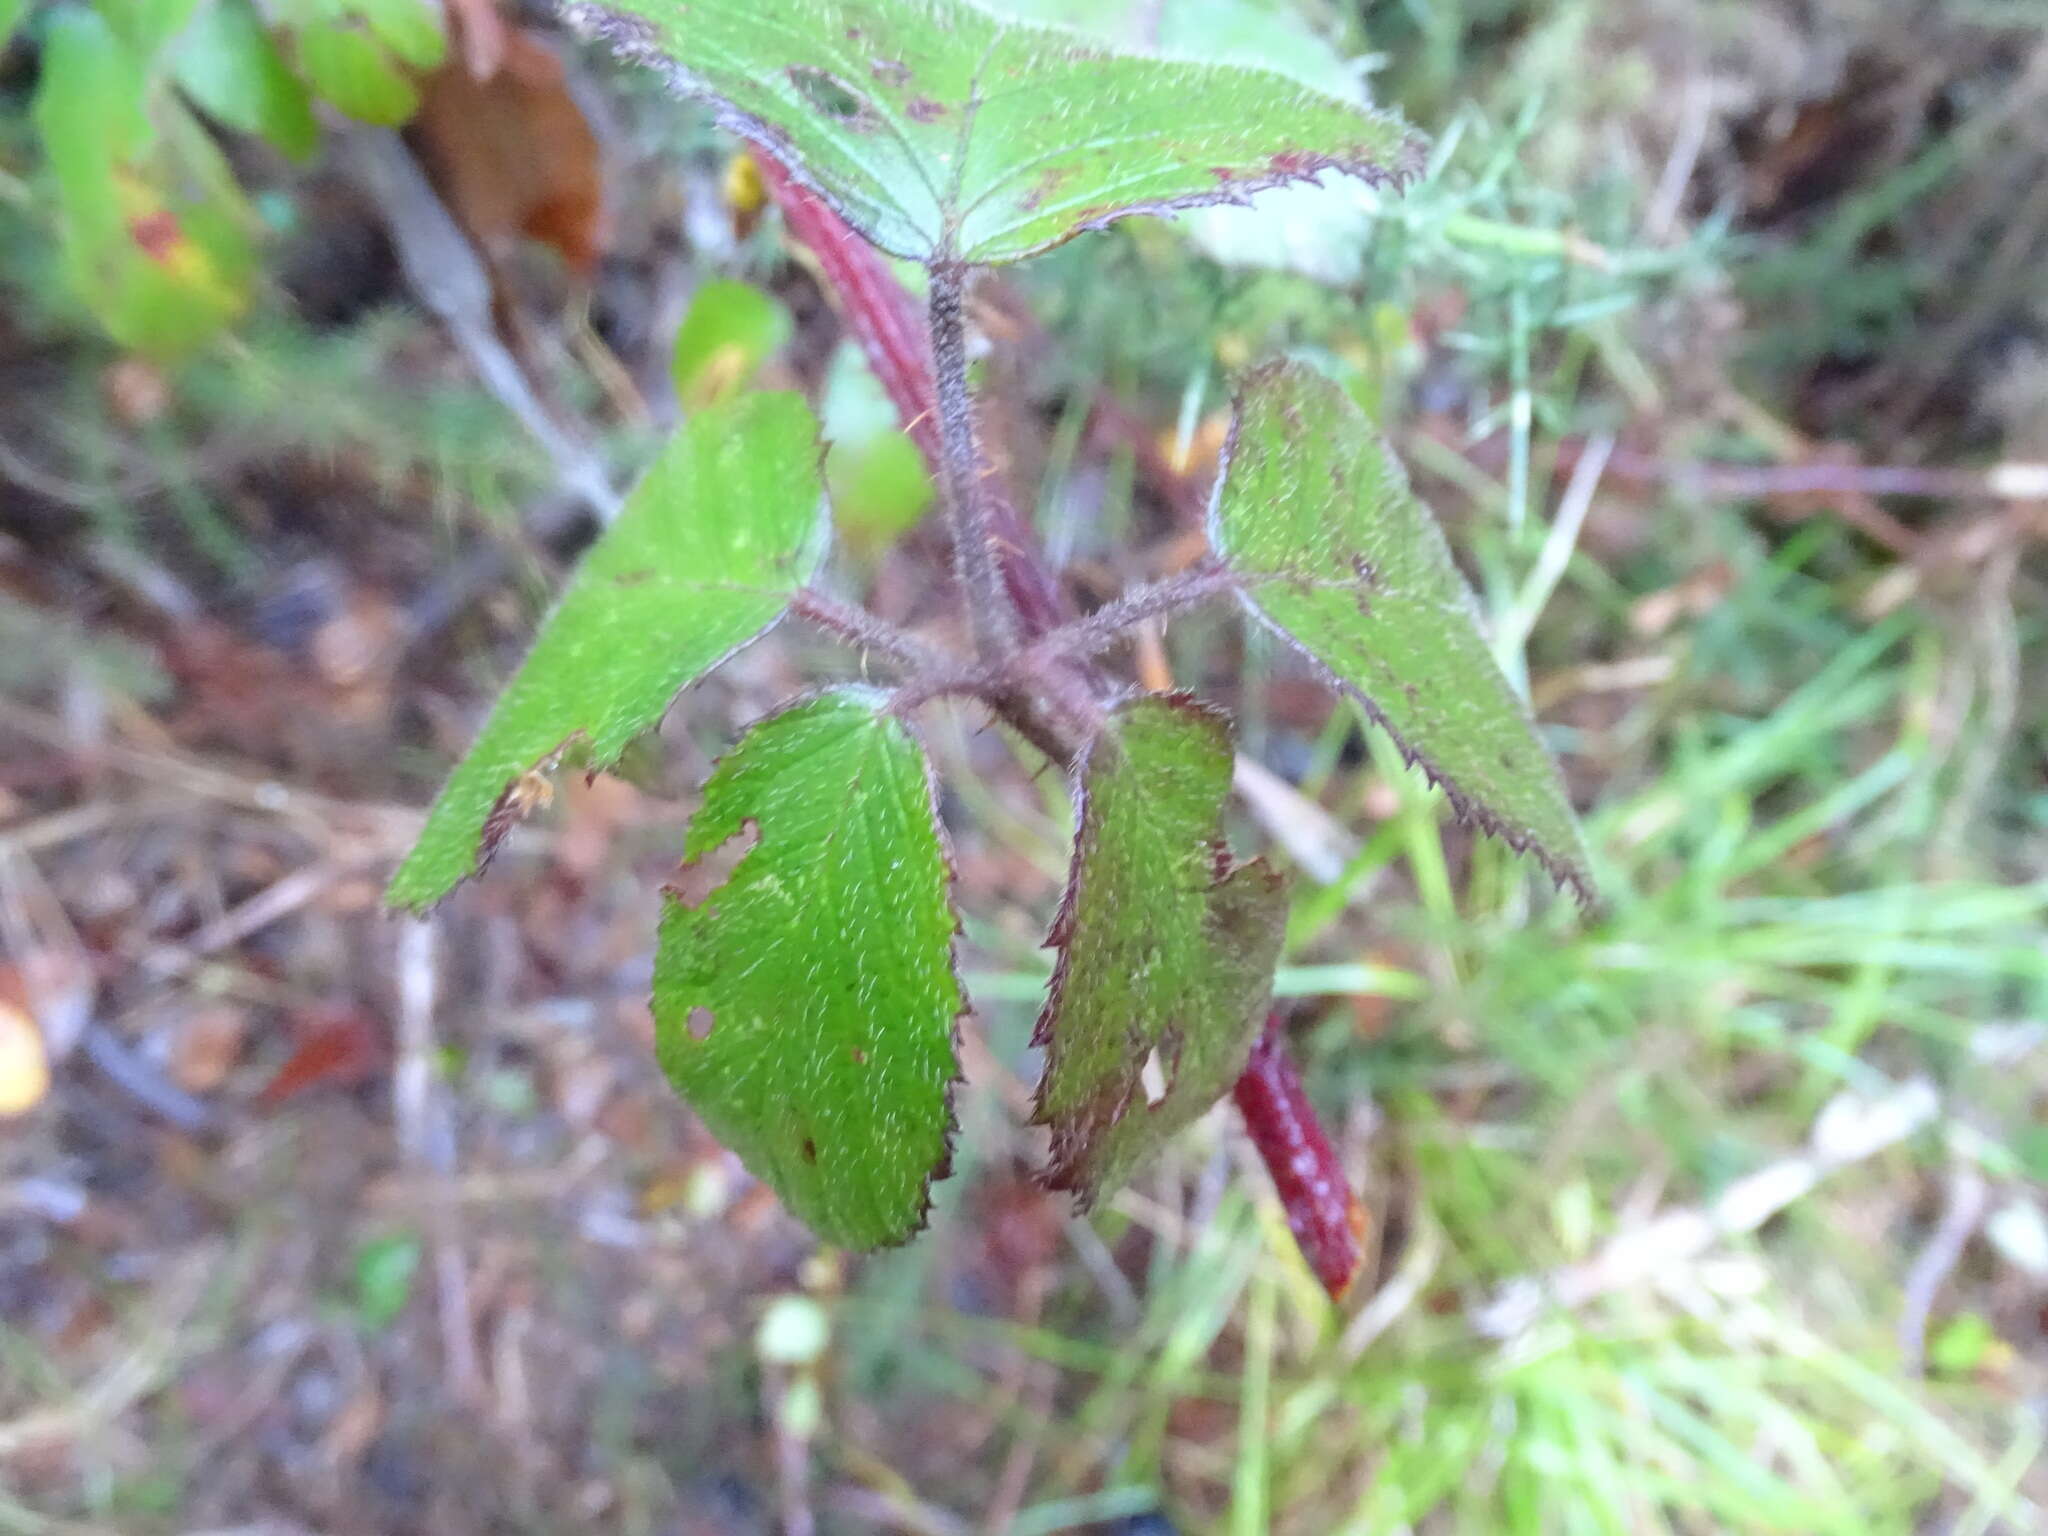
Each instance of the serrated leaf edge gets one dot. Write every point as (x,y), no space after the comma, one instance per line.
(633,39)
(817,547)
(1061,1171)
(882,698)
(1567,874)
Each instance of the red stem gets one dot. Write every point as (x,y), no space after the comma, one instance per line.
(890,325)
(1325,1216)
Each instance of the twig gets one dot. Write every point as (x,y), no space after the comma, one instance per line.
(449,278)
(1313,838)
(269,905)
(1516,625)
(141,1081)
(2017,480)
(1695,115)
(1968,1199)
(1401,1290)
(15,467)
(386,826)
(426,1140)
(1041,1381)
(1095,1257)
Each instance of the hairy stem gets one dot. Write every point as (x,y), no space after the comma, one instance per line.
(991,612)
(858,627)
(882,315)
(1101,629)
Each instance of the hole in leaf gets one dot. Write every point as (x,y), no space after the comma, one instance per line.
(831,95)
(1152,1078)
(697,881)
(699,1022)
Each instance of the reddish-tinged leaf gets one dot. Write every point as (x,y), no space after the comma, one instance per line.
(1327,1219)
(337,1048)
(1166,947)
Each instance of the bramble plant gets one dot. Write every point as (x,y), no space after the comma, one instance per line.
(807,1006)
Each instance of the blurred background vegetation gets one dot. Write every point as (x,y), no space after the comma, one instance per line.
(1717,334)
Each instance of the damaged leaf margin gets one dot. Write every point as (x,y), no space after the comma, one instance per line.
(1166,947)
(945,134)
(808,1006)
(727,525)
(1338,556)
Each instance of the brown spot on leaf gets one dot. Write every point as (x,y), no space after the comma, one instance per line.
(532,791)
(832,96)
(810,1152)
(922,109)
(156,234)
(890,71)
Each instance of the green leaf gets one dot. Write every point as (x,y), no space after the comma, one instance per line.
(806,1007)
(732,328)
(157,238)
(351,70)
(147,26)
(1962,1344)
(1166,949)
(878,480)
(409,28)
(227,63)
(1337,555)
(385,1268)
(1321,232)
(945,134)
(726,526)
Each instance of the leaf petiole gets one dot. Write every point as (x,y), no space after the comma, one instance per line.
(1100,630)
(992,612)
